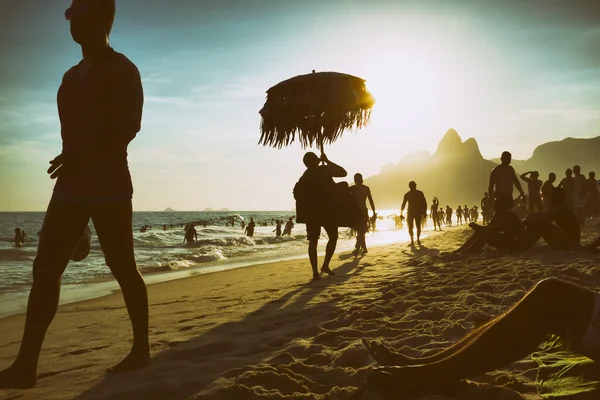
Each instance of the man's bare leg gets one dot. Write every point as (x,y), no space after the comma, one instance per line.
(312,256)
(552,306)
(332,233)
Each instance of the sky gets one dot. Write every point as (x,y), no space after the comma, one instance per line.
(512,74)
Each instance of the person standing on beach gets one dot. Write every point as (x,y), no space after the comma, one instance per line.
(459,215)
(434,214)
(449,212)
(503,178)
(485,208)
(466,214)
(362,193)
(534,184)
(547,189)
(315,206)
(567,183)
(579,194)
(592,195)
(100,108)
(417,208)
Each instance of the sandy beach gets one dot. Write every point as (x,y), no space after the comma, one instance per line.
(267,332)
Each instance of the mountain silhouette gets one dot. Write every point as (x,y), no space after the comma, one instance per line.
(457,173)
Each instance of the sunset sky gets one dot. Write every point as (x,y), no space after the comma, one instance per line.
(512,74)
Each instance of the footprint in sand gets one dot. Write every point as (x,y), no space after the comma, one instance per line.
(84,351)
(53,373)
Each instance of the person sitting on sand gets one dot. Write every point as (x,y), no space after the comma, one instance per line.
(249,231)
(190,234)
(547,189)
(362,193)
(314,194)
(534,184)
(559,226)
(503,232)
(277,229)
(503,178)
(100,105)
(552,306)
(288,227)
(417,208)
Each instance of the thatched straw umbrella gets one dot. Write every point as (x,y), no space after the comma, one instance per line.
(316,107)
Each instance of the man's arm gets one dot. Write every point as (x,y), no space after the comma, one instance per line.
(424,203)
(404,203)
(525,178)
(334,170)
(371,202)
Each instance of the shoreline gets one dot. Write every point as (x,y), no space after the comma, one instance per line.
(70,294)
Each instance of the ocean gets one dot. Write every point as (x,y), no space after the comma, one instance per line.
(161,254)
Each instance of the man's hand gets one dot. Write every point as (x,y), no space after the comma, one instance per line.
(64,165)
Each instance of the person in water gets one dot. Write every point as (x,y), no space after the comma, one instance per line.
(289,225)
(18,240)
(503,178)
(100,109)
(552,306)
(547,189)
(503,232)
(315,205)
(249,231)
(534,184)
(362,193)
(277,229)
(559,226)
(190,234)
(417,208)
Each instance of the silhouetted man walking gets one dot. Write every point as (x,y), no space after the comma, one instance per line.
(534,184)
(100,108)
(417,207)
(315,194)
(362,193)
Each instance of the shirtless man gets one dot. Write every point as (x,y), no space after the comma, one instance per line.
(534,184)
(567,183)
(486,208)
(551,307)
(592,195)
(417,207)
(558,226)
(449,216)
(547,189)
(579,182)
(459,215)
(434,214)
(362,193)
(100,108)
(503,231)
(503,178)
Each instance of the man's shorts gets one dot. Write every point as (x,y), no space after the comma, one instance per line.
(313,230)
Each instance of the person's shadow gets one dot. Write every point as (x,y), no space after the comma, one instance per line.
(186,368)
